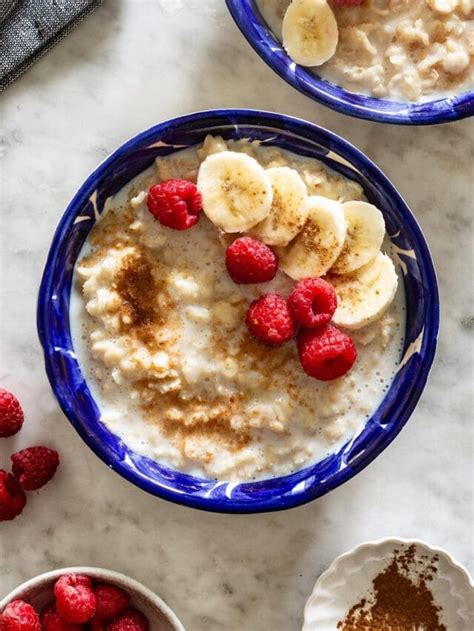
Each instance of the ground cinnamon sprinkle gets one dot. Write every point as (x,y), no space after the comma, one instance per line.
(400,599)
(212,418)
(138,289)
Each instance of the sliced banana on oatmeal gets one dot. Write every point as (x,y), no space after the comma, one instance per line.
(289,209)
(366,294)
(310,33)
(315,249)
(365,234)
(236,191)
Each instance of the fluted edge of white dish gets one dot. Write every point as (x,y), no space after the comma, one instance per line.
(462,585)
(132,586)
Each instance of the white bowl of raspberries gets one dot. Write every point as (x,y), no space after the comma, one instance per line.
(85,599)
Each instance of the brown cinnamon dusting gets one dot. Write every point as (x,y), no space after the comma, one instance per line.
(217,429)
(255,355)
(138,291)
(396,603)
(311,240)
(104,232)
(211,417)
(267,363)
(310,235)
(198,417)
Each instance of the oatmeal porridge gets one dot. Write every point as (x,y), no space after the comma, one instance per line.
(159,325)
(403,50)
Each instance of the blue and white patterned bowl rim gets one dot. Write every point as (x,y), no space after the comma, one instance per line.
(69,384)
(254,28)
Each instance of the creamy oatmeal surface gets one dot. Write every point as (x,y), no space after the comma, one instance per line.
(405,50)
(158,327)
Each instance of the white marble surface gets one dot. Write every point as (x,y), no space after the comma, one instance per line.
(132,64)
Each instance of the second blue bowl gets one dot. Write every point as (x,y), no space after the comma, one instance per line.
(254,28)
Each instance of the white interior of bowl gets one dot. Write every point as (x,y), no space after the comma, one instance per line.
(39,592)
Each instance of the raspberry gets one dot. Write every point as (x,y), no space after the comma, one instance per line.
(11,414)
(129,620)
(269,320)
(175,203)
(20,616)
(326,353)
(12,497)
(34,467)
(52,621)
(75,598)
(313,302)
(111,600)
(250,261)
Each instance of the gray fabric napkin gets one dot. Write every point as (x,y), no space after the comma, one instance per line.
(29,28)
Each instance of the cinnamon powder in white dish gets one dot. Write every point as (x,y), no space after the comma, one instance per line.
(400,598)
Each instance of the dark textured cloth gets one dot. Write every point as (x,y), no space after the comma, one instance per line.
(32,27)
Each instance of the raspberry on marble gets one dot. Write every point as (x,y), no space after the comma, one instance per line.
(313,302)
(11,414)
(12,497)
(34,467)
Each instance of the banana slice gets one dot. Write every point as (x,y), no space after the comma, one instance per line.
(236,192)
(289,209)
(366,294)
(365,233)
(316,248)
(310,32)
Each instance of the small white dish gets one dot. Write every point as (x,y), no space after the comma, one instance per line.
(350,576)
(38,592)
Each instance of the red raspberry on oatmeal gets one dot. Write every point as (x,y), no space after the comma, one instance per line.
(270,320)
(313,302)
(326,353)
(175,203)
(250,261)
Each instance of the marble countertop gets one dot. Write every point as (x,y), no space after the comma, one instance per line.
(131,64)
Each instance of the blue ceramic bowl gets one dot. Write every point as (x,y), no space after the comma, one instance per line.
(65,374)
(254,28)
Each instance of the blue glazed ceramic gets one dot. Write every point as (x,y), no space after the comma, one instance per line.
(260,37)
(65,374)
